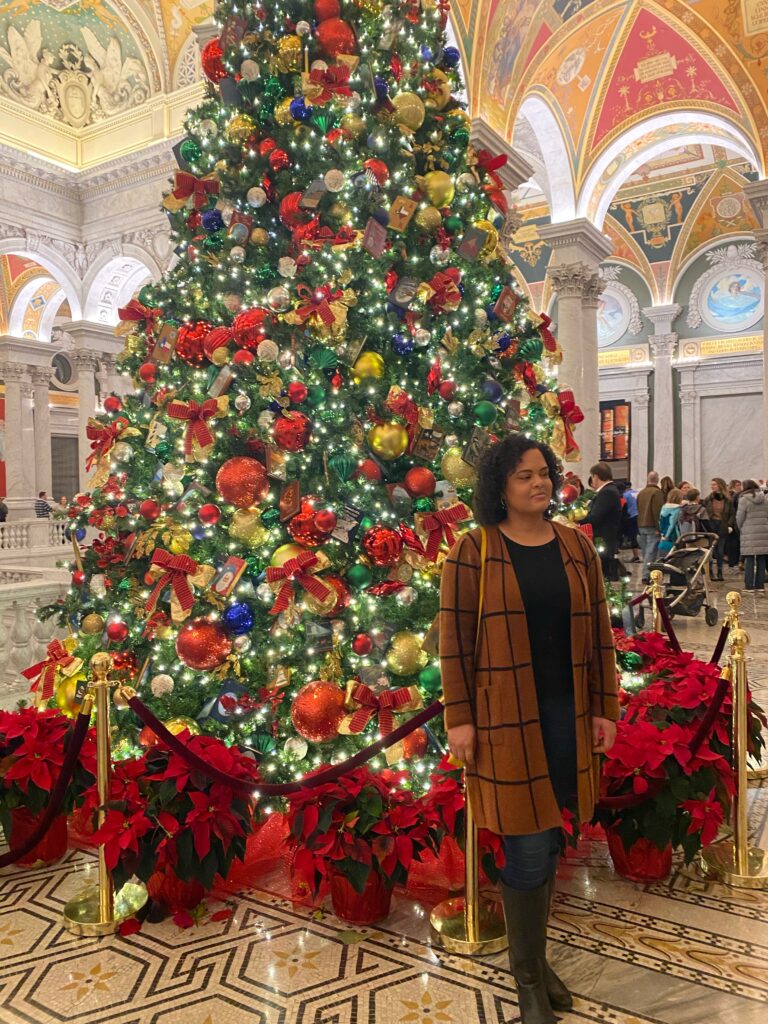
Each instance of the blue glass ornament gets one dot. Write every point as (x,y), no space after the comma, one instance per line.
(492,390)
(504,341)
(450,57)
(80,533)
(426,53)
(402,344)
(197,531)
(212,221)
(238,618)
(382,88)
(490,313)
(299,109)
(381,215)
(498,222)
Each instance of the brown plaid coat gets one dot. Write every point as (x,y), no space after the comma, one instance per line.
(509,783)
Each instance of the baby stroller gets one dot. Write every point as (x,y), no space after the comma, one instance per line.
(685,577)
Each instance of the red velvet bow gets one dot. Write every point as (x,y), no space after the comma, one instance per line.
(296,570)
(175,569)
(186,185)
(332,81)
(550,342)
(317,302)
(103,437)
(196,415)
(571,415)
(382,705)
(445,288)
(44,672)
(439,525)
(136,310)
(401,404)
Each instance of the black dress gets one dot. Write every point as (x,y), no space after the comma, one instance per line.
(546,598)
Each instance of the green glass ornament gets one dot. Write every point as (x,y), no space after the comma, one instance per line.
(366,523)
(343,465)
(145,295)
(264,116)
(496,291)
(315,395)
(254,566)
(430,679)
(531,350)
(424,505)
(273,88)
(485,413)
(163,451)
(125,583)
(453,224)
(190,151)
(633,660)
(359,576)
(461,137)
(214,242)
(264,273)
(270,517)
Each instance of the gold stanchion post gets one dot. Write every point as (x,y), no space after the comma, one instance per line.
(97,910)
(469,924)
(657,592)
(734,861)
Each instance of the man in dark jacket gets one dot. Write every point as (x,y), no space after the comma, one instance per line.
(649,502)
(605,517)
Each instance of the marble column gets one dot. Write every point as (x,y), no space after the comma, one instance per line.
(41,377)
(757,193)
(578,248)
(19,468)
(639,439)
(662,344)
(689,423)
(86,362)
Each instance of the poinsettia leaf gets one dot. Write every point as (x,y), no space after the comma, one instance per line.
(183,919)
(221,915)
(355,872)
(129,927)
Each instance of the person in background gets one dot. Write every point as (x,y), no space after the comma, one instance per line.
(63,501)
(649,502)
(693,515)
(733,543)
(752,521)
(666,484)
(630,497)
(604,517)
(3,511)
(42,508)
(684,486)
(669,529)
(719,516)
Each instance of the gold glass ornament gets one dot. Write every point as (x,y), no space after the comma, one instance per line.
(286,551)
(92,623)
(340,211)
(388,440)
(283,115)
(409,110)
(440,90)
(371,6)
(180,723)
(405,655)
(429,218)
(320,606)
(259,236)
(180,543)
(438,187)
(246,526)
(64,694)
(459,116)
(353,123)
(240,128)
(288,53)
(455,469)
(369,364)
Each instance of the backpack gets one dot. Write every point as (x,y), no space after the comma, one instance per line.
(689,520)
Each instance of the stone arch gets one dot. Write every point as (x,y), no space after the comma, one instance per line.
(56,260)
(111,283)
(53,295)
(554,169)
(186,69)
(648,139)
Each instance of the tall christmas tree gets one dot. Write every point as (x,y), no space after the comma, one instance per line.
(315,381)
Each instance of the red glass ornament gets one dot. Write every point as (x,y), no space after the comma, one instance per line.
(189,344)
(342,595)
(362,644)
(147,372)
(303,527)
(382,545)
(150,509)
(252,326)
(446,389)
(317,711)
(568,494)
(243,357)
(279,160)
(297,391)
(51,847)
(194,220)
(112,404)
(325,9)
(326,520)
(211,61)
(217,337)
(378,170)
(78,577)
(292,431)
(203,644)
(242,481)
(148,738)
(420,482)
(117,631)
(266,146)
(366,907)
(415,744)
(370,470)
(291,213)
(337,380)
(209,514)
(336,36)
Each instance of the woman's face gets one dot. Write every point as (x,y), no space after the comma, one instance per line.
(529,487)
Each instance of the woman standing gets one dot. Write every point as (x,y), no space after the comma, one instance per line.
(666,484)
(669,529)
(529,689)
(719,514)
(752,521)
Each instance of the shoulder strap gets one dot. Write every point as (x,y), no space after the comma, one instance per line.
(481,593)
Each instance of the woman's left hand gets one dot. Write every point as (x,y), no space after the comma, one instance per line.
(603,735)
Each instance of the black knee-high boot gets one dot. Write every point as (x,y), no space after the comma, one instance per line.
(559,996)
(526,912)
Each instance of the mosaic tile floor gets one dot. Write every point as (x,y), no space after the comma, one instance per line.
(683,952)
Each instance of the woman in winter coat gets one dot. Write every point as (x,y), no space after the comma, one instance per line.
(752,521)
(668,517)
(719,515)
(529,684)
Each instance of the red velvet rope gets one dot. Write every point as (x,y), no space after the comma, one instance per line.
(720,645)
(56,801)
(248,789)
(665,618)
(618,803)
(638,600)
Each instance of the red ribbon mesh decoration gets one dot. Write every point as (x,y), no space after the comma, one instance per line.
(296,570)
(175,568)
(44,672)
(102,437)
(332,82)
(136,310)
(196,415)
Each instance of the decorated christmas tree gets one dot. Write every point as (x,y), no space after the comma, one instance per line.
(315,381)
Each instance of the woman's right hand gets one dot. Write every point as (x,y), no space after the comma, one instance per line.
(461,743)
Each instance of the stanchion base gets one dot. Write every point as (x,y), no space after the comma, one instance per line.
(756,770)
(447,927)
(719,861)
(82,916)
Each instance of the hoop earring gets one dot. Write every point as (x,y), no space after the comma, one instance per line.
(504,503)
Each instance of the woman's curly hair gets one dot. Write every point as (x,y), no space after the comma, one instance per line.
(497,463)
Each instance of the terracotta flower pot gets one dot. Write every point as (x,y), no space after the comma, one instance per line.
(366,907)
(51,847)
(642,862)
(166,888)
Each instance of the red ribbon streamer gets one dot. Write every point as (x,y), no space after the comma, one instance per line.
(196,415)
(550,342)
(296,570)
(571,415)
(439,524)
(175,568)
(186,185)
(382,705)
(44,672)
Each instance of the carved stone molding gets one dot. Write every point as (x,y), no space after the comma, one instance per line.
(640,401)
(662,345)
(41,376)
(688,396)
(571,280)
(14,373)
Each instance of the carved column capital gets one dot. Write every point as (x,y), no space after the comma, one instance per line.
(688,396)
(641,401)
(15,373)
(573,280)
(662,345)
(41,376)
(86,359)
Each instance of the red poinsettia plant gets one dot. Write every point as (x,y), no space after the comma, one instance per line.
(656,785)
(33,745)
(363,822)
(164,816)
